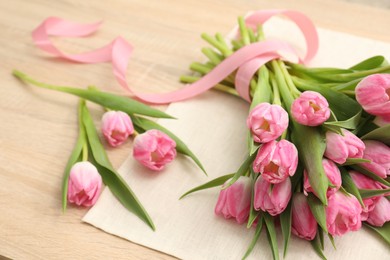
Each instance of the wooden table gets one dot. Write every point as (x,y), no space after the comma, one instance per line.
(39,127)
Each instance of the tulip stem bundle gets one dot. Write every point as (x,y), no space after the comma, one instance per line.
(318,147)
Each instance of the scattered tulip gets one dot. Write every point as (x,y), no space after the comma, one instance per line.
(235,201)
(341,147)
(84,185)
(116,127)
(154,149)
(267,122)
(310,109)
(276,161)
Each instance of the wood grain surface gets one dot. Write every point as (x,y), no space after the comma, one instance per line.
(39,127)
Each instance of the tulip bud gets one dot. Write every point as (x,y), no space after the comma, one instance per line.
(272,198)
(116,127)
(84,184)
(154,149)
(341,147)
(333,174)
(235,201)
(303,223)
(267,122)
(276,161)
(310,109)
(343,214)
(379,154)
(363,182)
(381,212)
(373,94)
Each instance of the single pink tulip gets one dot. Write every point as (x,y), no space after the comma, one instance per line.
(333,174)
(303,223)
(116,127)
(272,198)
(343,214)
(84,184)
(310,109)
(373,94)
(381,212)
(363,182)
(276,161)
(341,147)
(267,122)
(154,149)
(379,154)
(235,201)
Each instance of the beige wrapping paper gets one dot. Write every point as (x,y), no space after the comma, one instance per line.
(213,126)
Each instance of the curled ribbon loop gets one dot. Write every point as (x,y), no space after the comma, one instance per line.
(246,60)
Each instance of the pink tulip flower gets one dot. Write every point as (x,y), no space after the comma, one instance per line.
(381,212)
(276,161)
(154,149)
(84,184)
(363,182)
(303,223)
(116,127)
(235,201)
(267,122)
(341,147)
(272,198)
(373,94)
(379,154)
(310,109)
(382,120)
(343,214)
(333,174)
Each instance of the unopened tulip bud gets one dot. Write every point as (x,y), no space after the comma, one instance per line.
(154,149)
(116,127)
(373,94)
(84,184)
(267,122)
(379,155)
(341,147)
(303,223)
(310,109)
(381,212)
(272,198)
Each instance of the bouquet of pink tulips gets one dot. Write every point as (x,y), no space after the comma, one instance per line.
(318,156)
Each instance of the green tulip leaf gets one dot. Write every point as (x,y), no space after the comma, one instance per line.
(253,214)
(285,223)
(372,193)
(211,184)
(311,146)
(381,134)
(350,186)
(271,235)
(350,123)
(111,178)
(318,210)
(104,99)
(259,228)
(383,231)
(370,63)
(316,244)
(331,239)
(352,161)
(242,170)
(181,147)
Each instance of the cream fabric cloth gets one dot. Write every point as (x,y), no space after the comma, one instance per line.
(213,126)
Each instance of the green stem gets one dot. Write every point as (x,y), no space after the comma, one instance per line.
(84,156)
(214,57)
(281,81)
(243,31)
(276,96)
(294,91)
(217,44)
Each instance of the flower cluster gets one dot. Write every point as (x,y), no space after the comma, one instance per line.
(319,159)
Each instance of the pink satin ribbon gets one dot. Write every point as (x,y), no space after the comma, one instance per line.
(246,60)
